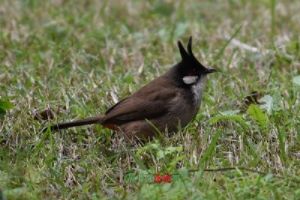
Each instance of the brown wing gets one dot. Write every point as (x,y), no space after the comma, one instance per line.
(117,104)
(149,102)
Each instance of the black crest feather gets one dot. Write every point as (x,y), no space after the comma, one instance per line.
(183,53)
(189,46)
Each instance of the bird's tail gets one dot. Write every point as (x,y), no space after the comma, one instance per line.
(81,122)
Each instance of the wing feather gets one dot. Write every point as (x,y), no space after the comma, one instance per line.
(148,103)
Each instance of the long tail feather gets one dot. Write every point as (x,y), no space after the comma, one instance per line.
(87,121)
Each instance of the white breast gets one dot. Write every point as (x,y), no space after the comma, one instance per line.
(197,90)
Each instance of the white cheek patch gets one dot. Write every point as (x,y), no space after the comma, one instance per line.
(190,79)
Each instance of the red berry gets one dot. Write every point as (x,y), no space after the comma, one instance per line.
(157,178)
(167,178)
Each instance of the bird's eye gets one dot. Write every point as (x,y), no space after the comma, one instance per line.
(192,71)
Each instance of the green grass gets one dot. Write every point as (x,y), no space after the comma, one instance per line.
(77,56)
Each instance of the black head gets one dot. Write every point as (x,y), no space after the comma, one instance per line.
(189,70)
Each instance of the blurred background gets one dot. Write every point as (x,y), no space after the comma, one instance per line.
(49,40)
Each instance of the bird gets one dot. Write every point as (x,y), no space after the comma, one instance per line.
(165,104)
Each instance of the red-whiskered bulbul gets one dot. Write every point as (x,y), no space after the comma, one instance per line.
(166,103)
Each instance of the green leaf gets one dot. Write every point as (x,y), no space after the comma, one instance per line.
(282,139)
(258,115)
(232,118)
(138,161)
(150,147)
(296,80)
(162,153)
(211,149)
(2,111)
(267,103)
(4,106)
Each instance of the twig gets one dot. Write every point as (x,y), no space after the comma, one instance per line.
(247,47)
(235,168)
(229,39)
(246,169)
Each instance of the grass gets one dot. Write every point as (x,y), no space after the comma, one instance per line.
(77,58)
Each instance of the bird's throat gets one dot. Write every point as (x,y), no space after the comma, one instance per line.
(197,90)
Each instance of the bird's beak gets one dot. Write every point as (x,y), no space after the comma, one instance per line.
(210,70)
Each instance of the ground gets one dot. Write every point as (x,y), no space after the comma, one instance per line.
(65,60)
